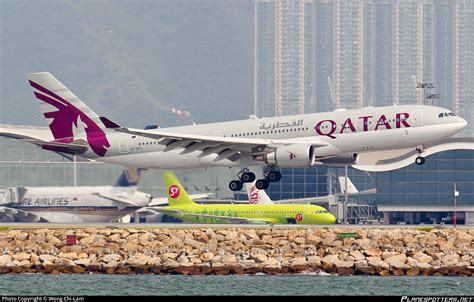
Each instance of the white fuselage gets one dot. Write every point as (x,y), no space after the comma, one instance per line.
(77,204)
(345,131)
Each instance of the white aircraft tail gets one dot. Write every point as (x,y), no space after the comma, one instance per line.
(350,186)
(257,196)
(68,117)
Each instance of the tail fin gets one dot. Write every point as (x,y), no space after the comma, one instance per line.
(129,177)
(350,186)
(69,118)
(175,192)
(257,196)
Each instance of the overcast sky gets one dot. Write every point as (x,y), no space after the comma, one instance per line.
(131,61)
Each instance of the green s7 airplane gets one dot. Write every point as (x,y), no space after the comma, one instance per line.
(182,207)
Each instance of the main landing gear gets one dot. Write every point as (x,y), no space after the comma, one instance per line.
(419,160)
(246,176)
(271,176)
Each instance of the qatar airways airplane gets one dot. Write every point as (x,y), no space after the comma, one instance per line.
(336,137)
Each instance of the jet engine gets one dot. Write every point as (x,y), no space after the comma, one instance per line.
(290,156)
(340,160)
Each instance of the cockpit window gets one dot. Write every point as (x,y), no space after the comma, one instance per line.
(445,114)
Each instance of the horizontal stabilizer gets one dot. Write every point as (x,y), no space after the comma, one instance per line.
(78,148)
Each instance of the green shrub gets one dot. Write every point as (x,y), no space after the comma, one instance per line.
(426,229)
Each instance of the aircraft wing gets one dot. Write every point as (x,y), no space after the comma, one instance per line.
(12,214)
(217,217)
(159,201)
(231,219)
(226,147)
(159,210)
(117,198)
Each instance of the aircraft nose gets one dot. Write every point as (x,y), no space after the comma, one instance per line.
(462,122)
(330,219)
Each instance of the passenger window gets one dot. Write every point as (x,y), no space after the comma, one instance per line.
(440,115)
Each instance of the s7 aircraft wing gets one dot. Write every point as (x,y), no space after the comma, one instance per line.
(209,216)
(158,201)
(225,147)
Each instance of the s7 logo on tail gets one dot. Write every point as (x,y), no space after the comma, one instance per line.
(174,191)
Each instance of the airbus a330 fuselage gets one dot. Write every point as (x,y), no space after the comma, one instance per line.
(346,133)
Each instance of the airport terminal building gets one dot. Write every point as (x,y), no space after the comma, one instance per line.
(412,194)
(425,193)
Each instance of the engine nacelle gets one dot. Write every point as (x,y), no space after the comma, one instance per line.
(291,156)
(341,160)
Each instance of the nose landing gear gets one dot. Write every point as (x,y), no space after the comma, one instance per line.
(419,160)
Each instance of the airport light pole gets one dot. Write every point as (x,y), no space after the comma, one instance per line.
(330,176)
(345,196)
(75,171)
(456,193)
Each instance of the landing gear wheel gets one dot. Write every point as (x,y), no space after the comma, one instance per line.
(262,184)
(247,177)
(235,185)
(274,176)
(420,160)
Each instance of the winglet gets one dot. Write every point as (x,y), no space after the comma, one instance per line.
(175,192)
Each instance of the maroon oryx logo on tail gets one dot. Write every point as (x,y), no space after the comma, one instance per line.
(66,116)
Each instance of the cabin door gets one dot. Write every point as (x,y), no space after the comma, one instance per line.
(124,144)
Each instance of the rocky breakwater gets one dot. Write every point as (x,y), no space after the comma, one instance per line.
(239,251)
